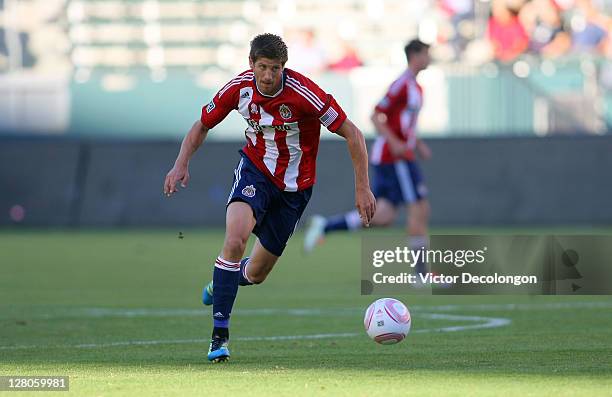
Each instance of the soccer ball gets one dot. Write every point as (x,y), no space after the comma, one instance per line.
(387,321)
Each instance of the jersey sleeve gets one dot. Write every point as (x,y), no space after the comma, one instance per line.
(318,103)
(396,96)
(220,105)
(332,116)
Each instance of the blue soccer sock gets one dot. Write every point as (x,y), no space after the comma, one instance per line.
(226,276)
(419,243)
(244,279)
(348,221)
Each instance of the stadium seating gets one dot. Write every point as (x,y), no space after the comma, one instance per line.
(127,45)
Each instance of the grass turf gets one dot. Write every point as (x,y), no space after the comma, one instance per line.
(119,312)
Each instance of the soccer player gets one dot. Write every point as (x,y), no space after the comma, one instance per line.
(273,181)
(397,177)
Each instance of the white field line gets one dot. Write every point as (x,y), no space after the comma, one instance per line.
(482,323)
(96,312)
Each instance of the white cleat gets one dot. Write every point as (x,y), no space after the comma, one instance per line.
(314,233)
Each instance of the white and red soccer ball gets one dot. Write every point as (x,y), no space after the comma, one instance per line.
(387,321)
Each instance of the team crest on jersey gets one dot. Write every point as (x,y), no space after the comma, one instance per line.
(284,111)
(254,109)
(210,107)
(249,191)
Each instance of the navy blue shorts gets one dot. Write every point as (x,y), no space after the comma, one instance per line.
(276,212)
(400,182)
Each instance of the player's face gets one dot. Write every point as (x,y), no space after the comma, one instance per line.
(268,74)
(423,59)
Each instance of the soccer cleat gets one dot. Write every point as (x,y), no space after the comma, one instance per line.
(314,233)
(207,294)
(218,351)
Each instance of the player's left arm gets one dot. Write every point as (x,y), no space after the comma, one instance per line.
(212,114)
(323,106)
(364,199)
(422,148)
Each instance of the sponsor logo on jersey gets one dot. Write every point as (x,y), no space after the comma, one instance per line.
(245,95)
(284,111)
(284,127)
(210,107)
(256,127)
(249,191)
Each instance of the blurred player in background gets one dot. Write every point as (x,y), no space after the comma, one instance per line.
(397,177)
(273,181)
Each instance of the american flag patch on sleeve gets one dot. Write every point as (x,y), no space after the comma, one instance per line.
(328,117)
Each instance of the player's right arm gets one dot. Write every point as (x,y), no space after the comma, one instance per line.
(217,109)
(180,171)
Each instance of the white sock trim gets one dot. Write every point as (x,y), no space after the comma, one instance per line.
(222,264)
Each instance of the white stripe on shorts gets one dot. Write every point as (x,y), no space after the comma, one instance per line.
(237,176)
(405,182)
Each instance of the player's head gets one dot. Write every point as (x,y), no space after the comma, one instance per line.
(417,55)
(267,58)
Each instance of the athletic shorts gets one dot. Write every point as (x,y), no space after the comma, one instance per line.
(276,212)
(400,182)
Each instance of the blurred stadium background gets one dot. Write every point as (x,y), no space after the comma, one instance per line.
(94,96)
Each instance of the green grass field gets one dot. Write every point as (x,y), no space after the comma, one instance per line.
(119,312)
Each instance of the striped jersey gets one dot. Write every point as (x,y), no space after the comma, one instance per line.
(401,104)
(282,134)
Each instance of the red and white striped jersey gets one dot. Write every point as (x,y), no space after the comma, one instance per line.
(283,129)
(401,104)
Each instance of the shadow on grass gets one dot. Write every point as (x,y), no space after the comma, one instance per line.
(326,356)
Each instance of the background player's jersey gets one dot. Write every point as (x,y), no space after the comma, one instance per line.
(401,104)
(283,129)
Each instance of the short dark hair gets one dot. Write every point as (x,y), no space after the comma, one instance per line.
(269,46)
(413,47)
